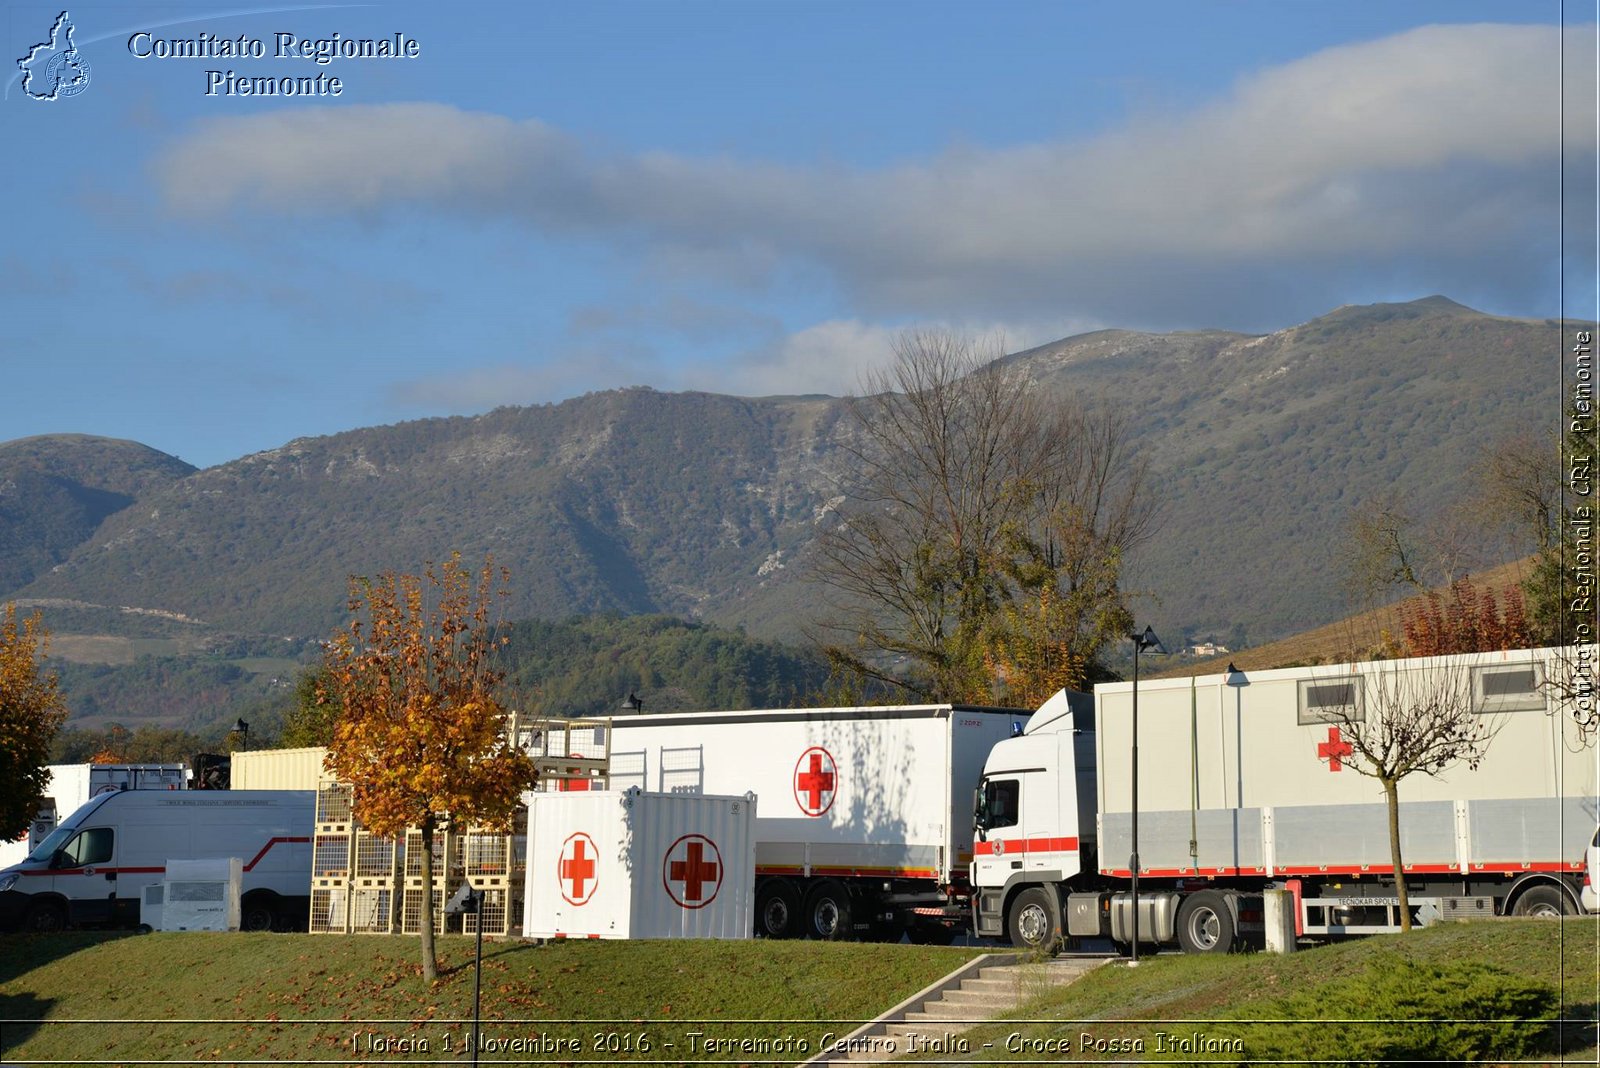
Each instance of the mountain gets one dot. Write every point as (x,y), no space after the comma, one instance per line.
(56,490)
(703,506)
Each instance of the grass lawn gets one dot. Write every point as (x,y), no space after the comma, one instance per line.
(240,998)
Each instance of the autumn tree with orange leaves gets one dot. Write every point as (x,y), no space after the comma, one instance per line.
(31,711)
(421,741)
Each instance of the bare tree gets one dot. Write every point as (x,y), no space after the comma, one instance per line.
(1405,718)
(966,487)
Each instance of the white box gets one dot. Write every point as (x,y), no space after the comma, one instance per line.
(201,895)
(630,864)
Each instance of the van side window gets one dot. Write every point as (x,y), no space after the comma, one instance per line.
(91,847)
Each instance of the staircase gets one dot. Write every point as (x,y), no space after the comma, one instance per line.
(932,1020)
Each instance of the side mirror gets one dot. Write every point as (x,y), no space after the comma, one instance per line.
(60,859)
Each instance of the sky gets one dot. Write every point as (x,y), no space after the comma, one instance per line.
(534,201)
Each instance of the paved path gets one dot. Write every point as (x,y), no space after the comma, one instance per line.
(933,1019)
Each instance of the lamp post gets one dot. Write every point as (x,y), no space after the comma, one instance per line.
(1237,681)
(242,729)
(1141,642)
(468,901)
(631,703)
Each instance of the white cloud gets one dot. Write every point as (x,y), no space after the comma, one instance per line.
(1431,152)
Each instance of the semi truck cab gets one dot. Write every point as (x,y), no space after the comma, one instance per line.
(1034,823)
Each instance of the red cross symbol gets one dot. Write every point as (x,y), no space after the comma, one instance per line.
(1334,749)
(577,868)
(815,781)
(688,868)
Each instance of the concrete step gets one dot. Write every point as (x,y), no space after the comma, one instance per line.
(938,1021)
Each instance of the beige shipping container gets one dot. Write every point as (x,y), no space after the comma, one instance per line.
(278,769)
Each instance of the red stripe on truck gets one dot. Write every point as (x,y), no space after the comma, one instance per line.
(1005,847)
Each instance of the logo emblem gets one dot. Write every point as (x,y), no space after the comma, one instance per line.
(1335,749)
(816,781)
(577,873)
(692,871)
(55,69)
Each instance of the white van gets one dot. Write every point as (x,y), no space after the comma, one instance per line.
(93,869)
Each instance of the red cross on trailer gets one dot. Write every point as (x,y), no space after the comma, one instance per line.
(692,862)
(1334,749)
(815,781)
(577,872)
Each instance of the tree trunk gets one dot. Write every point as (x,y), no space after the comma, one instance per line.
(430,962)
(1391,793)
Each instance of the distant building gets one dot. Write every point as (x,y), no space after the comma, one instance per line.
(1207,649)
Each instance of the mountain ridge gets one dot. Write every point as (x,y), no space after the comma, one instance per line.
(703,505)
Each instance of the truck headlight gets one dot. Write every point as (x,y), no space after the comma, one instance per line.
(8,881)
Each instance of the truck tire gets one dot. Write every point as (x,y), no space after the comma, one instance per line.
(1205,923)
(1034,920)
(258,913)
(45,917)
(1543,902)
(828,912)
(777,910)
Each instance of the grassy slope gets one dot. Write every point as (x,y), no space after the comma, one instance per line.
(1182,995)
(302,997)
(299,997)
(1339,641)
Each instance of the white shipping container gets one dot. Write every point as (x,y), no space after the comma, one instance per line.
(1245,773)
(631,864)
(278,769)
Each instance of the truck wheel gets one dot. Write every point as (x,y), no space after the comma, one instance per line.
(1543,903)
(1034,921)
(45,917)
(257,914)
(1205,923)
(828,912)
(777,910)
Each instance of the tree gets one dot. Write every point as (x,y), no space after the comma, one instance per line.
(969,493)
(1402,720)
(311,721)
(422,740)
(31,712)
(1469,619)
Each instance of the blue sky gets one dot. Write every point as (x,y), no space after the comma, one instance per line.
(748,198)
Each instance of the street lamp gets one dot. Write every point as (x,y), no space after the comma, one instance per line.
(1237,680)
(242,729)
(1141,642)
(468,901)
(631,703)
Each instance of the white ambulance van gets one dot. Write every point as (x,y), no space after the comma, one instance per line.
(94,868)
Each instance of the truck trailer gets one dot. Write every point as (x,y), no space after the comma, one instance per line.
(864,825)
(1246,783)
(94,868)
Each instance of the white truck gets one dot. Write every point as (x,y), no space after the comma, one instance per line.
(94,868)
(1246,784)
(864,826)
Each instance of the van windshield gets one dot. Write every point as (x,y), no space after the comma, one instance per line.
(48,847)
